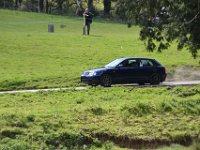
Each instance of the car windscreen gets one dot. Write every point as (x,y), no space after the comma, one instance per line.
(114,63)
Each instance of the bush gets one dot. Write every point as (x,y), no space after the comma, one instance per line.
(138,109)
(97,110)
(11,133)
(16,145)
(30,118)
(69,140)
(108,145)
(166,107)
(186,92)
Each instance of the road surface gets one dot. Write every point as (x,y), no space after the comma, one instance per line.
(181,83)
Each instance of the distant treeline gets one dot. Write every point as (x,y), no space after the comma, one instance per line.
(60,6)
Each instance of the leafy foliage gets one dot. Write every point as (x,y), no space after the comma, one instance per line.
(164,21)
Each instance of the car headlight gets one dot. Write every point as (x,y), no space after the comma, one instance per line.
(92,73)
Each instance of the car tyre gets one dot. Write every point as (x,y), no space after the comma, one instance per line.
(155,79)
(106,80)
(94,84)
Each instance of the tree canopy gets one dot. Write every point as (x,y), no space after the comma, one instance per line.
(164,21)
(58,6)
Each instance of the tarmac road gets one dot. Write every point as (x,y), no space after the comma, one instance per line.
(181,83)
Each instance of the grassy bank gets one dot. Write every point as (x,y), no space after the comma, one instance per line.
(130,118)
(32,58)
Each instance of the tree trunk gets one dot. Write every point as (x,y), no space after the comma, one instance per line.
(107,7)
(47,6)
(41,5)
(79,9)
(16,4)
(90,4)
(38,6)
(20,3)
(4,4)
(60,3)
(50,7)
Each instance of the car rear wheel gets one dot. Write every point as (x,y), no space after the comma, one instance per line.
(106,80)
(155,79)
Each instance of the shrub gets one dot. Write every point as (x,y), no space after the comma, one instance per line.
(138,109)
(108,145)
(69,140)
(186,92)
(11,133)
(30,118)
(97,110)
(166,107)
(80,101)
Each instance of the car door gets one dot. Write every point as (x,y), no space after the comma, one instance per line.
(126,71)
(146,69)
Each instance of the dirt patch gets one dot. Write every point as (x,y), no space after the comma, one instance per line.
(127,142)
(184,73)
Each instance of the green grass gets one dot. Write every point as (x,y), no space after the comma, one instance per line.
(30,57)
(96,118)
(122,115)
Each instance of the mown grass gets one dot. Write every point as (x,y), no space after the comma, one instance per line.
(129,117)
(32,58)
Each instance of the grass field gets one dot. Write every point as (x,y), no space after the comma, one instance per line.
(129,117)
(30,57)
(117,118)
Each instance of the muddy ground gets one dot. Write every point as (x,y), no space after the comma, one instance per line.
(184,73)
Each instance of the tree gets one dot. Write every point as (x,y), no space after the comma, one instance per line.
(7,3)
(164,21)
(41,5)
(79,7)
(47,6)
(90,4)
(59,4)
(16,4)
(107,7)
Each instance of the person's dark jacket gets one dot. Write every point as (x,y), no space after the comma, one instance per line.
(88,18)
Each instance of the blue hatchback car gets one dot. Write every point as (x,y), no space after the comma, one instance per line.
(126,70)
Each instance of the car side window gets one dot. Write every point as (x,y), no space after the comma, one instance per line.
(129,63)
(146,63)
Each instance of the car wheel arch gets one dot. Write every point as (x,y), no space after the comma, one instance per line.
(155,78)
(105,80)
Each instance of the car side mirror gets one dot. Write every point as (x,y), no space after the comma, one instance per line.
(119,66)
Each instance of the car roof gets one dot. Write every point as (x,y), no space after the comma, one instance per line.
(124,58)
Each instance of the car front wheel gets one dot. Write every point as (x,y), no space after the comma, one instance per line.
(155,79)
(93,84)
(106,80)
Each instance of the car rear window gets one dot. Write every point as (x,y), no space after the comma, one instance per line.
(147,63)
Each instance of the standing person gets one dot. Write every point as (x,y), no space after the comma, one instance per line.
(87,20)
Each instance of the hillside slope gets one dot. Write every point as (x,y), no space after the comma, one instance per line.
(30,57)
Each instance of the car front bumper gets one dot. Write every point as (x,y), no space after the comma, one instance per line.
(90,80)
